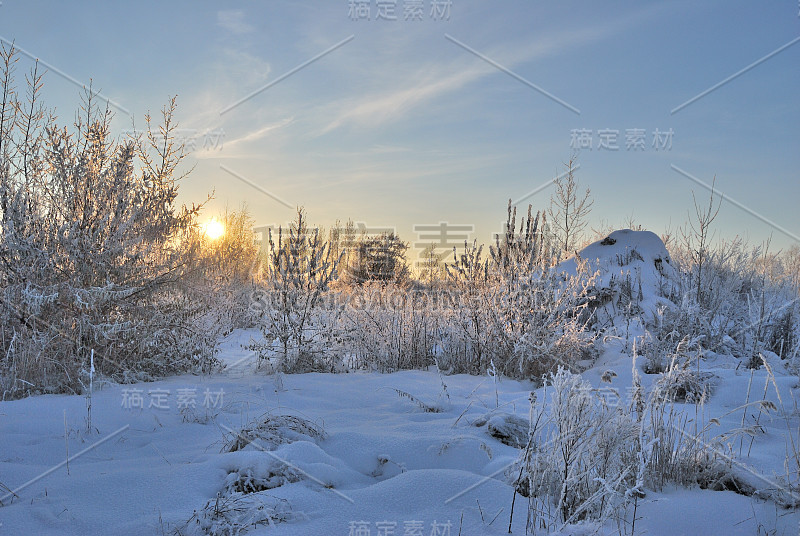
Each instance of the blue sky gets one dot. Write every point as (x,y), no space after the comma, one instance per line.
(414,122)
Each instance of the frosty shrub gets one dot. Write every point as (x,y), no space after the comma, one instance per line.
(657,342)
(236,513)
(537,316)
(732,296)
(227,274)
(681,381)
(269,431)
(94,250)
(588,460)
(783,335)
(388,327)
(553,332)
(582,458)
(298,273)
(679,452)
(468,345)
(514,309)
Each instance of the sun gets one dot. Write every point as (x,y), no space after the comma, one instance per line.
(214,229)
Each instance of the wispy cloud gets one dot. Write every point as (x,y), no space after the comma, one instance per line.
(227,72)
(236,147)
(261,132)
(234,21)
(386,149)
(383,106)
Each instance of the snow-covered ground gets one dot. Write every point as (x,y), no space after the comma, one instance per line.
(371,461)
(363,454)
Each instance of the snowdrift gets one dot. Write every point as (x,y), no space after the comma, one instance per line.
(634,268)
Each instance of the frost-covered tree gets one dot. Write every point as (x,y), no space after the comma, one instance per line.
(300,269)
(697,241)
(569,210)
(93,249)
(431,268)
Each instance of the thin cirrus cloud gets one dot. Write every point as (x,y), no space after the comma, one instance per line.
(261,132)
(224,75)
(234,21)
(394,103)
(382,108)
(237,147)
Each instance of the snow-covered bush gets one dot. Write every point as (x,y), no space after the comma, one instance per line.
(510,429)
(299,270)
(270,431)
(515,309)
(236,513)
(681,381)
(94,250)
(555,332)
(251,470)
(388,327)
(582,457)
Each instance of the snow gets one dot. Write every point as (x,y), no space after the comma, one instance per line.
(382,452)
(382,459)
(342,453)
(638,255)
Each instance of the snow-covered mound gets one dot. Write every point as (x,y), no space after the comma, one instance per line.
(633,266)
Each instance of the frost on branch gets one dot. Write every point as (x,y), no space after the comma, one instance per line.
(94,252)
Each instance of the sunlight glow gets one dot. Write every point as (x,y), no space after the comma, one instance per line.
(214,229)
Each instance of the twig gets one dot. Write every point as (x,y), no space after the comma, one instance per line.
(9,490)
(66,443)
(744,411)
(511,516)
(160,454)
(91,392)
(758,418)
(462,414)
